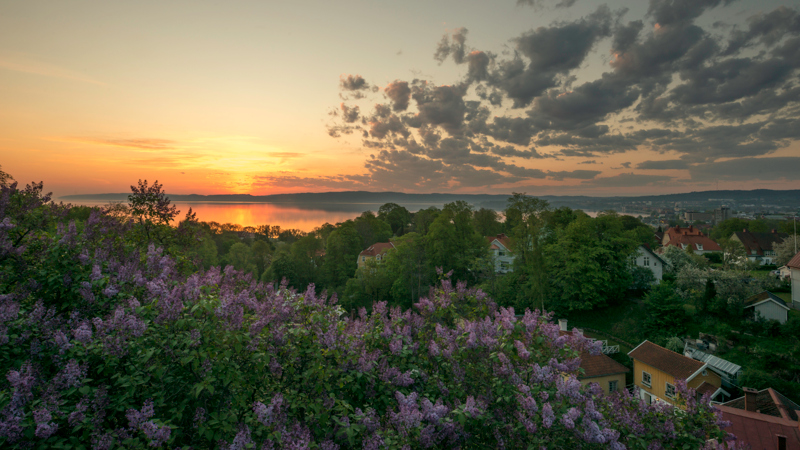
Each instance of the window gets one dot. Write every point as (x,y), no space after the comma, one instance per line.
(645,378)
(501,253)
(670,391)
(363,258)
(612,386)
(646,261)
(705,372)
(700,246)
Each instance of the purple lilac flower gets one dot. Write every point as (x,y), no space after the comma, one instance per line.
(547,415)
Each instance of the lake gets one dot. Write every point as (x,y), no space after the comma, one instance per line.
(301,216)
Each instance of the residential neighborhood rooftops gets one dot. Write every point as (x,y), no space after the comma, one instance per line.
(667,361)
(377,249)
(758,242)
(769,402)
(763,297)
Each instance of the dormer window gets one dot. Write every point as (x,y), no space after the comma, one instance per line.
(700,246)
(683,246)
(378,257)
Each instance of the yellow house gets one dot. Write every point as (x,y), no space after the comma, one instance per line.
(603,370)
(655,370)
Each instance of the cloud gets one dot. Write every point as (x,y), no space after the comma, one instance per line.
(626,165)
(399,93)
(452,44)
(768,169)
(140,143)
(668,164)
(353,83)
(577,174)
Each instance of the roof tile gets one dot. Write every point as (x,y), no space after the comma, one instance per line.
(667,361)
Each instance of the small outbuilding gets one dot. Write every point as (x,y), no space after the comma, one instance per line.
(767,305)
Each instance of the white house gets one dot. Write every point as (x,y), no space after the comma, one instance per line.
(767,305)
(500,249)
(644,257)
(794,267)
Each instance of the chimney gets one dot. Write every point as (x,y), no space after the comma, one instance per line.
(562,324)
(750,395)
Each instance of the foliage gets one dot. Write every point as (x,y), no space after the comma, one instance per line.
(5,179)
(371,229)
(396,216)
(452,242)
(665,313)
(487,222)
(107,344)
(785,250)
(150,208)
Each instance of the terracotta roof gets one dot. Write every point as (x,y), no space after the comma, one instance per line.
(760,431)
(667,361)
(794,262)
(770,402)
(759,241)
(600,365)
(691,236)
(758,298)
(502,238)
(377,249)
(706,388)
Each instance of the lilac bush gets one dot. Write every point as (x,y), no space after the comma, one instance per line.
(108,341)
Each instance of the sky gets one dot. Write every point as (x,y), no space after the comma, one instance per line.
(263,97)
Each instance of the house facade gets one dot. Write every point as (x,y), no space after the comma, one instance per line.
(644,257)
(375,251)
(759,246)
(794,273)
(767,305)
(690,237)
(656,371)
(500,249)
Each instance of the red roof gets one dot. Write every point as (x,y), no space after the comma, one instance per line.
(690,236)
(770,402)
(760,431)
(706,388)
(794,262)
(377,249)
(667,361)
(502,238)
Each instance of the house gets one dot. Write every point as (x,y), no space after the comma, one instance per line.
(728,371)
(644,257)
(375,251)
(763,420)
(794,267)
(500,249)
(767,305)
(685,237)
(758,246)
(600,369)
(656,369)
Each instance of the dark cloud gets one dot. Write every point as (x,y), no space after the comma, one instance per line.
(668,164)
(671,85)
(353,83)
(768,169)
(576,174)
(399,93)
(626,165)
(452,44)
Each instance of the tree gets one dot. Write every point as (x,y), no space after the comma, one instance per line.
(262,251)
(409,268)
(371,229)
(150,208)
(5,179)
(396,216)
(241,257)
(452,241)
(665,313)
(424,218)
(341,255)
(786,249)
(487,222)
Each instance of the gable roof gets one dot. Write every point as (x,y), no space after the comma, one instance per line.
(690,236)
(794,263)
(759,242)
(501,238)
(760,431)
(377,249)
(646,248)
(667,361)
(764,297)
(770,402)
(597,365)
(721,366)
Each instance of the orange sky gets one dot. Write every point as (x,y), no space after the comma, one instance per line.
(235,98)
